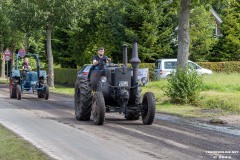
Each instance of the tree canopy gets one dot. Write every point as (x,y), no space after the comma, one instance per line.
(79,27)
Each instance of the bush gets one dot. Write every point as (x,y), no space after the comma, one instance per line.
(184,86)
(65,75)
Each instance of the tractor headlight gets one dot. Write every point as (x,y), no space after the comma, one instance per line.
(144,80)
(103,79)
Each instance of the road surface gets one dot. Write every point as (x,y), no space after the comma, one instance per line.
(51,126)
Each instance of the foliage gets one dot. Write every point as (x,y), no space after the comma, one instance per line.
(228,48)
(202,26)
(81,26)
(184,86)
(65,75)
(227,67)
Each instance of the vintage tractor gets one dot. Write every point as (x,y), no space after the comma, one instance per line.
(25,81)
(115,88)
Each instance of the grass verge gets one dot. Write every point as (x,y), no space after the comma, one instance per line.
(13,147)
(4,81)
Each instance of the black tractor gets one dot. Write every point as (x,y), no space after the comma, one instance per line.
(114,88)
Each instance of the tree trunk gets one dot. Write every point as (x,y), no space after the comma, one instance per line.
(50,57)
(183,34)
(12,51)
(3,62)
(27,42)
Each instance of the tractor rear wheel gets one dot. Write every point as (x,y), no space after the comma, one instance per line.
(82,99)
(46,92)
(40,94)
(19,92)
(98,108)
(148,108)
(13,89)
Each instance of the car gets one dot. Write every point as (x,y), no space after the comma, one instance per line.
(83,72)
(164,67)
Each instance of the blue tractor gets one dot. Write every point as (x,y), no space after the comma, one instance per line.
(26,81)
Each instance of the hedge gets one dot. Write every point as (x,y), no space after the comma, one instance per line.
(68,76)
(65,75)
(228,67)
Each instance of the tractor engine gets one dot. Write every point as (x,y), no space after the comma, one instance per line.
(31,80)
(120,80)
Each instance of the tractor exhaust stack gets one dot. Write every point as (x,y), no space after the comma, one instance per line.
(135,62)
(124,55)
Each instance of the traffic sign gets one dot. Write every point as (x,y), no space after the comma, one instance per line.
(22,53)
(7,58)
(7,52)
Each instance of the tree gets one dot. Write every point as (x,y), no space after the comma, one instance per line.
(183,33)
(112,23)
(54,13)
(27,18)
(230,48)
(202,25)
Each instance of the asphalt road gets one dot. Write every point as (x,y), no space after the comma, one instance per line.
(52,127)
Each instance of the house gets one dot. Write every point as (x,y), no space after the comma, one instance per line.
(219,21)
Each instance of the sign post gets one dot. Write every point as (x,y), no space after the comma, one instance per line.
(7,54)
(22,53)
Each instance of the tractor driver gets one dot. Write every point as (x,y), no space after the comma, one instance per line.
(25,65)
(100,59)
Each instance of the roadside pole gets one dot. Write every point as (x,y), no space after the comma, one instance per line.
(7,71)
(7,54)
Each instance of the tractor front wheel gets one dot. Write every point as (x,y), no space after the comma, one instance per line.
(19,92)
(98,108)
(46,92)
(148,108)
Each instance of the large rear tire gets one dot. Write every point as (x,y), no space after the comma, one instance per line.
(13,88)
(82,99)
(40,94)
(148,108)
(19,92)
(98,108)
(46,92)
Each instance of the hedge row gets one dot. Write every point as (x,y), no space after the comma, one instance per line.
(68,76)
(228,67)
(65,75)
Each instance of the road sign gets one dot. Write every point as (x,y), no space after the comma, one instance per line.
(7,52)
(22,53)
(7,58)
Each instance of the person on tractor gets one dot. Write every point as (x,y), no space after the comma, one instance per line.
(99,61)
(25,65)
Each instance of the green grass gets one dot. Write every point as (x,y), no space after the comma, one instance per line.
(188,111)
(4,81)
(13,147)
(222,82)
(63,89)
